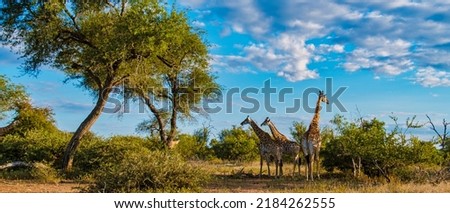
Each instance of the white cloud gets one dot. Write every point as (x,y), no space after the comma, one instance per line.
(244,17)
(430,77)
(192,3)
(305,25)
(326,48)
(287,55)
(198,24)
(384,56)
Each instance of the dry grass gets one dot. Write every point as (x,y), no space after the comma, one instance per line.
(243,178)
(31,186)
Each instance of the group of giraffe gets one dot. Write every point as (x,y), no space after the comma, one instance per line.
(278,145)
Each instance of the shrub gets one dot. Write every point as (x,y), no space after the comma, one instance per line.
(40,172)
(34,146)
(192,148)
(148,171)
(95,151)
(236,144)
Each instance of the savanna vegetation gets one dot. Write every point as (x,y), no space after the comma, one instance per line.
(151,52)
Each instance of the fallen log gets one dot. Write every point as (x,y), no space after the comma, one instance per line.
(15,164)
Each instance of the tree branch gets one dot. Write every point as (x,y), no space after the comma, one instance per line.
(157,115)
(89,73)
(122,10)
(434,128)
(121,79)
(78,37)
(165,61)
(73,18)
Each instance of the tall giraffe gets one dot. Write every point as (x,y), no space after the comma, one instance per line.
(288,147)
(311,141)
(267,146)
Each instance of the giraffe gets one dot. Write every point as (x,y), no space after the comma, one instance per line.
(288,147)
(311,141)
(267,146)
(6,129)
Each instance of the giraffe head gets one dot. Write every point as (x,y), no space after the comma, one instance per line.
(266,122)
(246,121)
(323,97)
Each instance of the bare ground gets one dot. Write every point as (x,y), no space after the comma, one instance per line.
(29,186)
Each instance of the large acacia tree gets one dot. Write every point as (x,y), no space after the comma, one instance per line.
(99,43)
(181,79)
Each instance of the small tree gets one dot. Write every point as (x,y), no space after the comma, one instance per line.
(236,144)
(298,129)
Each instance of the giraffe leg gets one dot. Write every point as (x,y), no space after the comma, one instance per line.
(308,167)
(276,168)
(268,165)
(260,165)
(281,167)
(295,165)
(317,168)
(311,172)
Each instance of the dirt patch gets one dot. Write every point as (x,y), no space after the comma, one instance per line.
(25,186)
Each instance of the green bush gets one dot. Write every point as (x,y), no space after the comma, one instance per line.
(236,144)
(191,148)
(34,146)
(380,152)
(148,171)
(95,151)
(40,172)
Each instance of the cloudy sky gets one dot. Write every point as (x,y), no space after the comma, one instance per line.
(392,56)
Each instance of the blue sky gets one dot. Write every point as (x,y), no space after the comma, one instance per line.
(393,57)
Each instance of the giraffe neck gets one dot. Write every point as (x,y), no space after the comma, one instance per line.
(277,134)
(315,121)
(263,136)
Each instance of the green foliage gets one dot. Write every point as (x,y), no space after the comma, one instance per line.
(11,96)
(40,172)
(298,129)
(236,144)
(148,171)
(34,146)
(30,118)
(192,147)
(380,152)
(95,152)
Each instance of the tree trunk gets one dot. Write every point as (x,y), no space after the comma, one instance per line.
(173,118)
(156,113)
(359,166)
(354,167)
(6,129)
(84,128)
